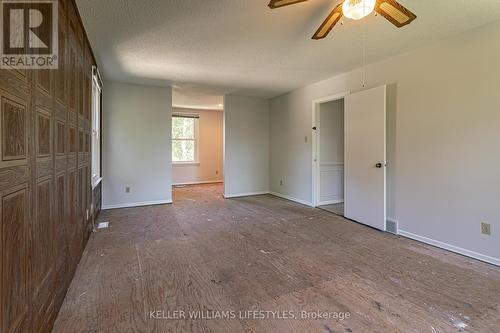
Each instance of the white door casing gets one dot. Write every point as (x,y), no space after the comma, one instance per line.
(316,174)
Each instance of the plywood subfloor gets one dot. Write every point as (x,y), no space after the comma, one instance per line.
(204,253)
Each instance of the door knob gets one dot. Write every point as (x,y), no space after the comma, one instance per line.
(378,165)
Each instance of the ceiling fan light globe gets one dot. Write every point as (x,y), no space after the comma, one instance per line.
(357,9)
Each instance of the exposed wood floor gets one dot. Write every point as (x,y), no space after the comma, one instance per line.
(265,253)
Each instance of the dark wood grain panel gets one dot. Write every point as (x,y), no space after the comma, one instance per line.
(81,88)
(72,79)
(43,231)
(81,201)
(87,95)
(44,196)
(71,161)
(63,6)
(21,74)
(81,143)
(87,89)
(43,100)
(60,111)
(14,268)
(60,226)
(43,264)
(72,140)
(43,79)
(14,129)
(61,137)
(11,83)
(61,164)
(87,142)
(71,118)
(61,91)
(72,188)
(87,228)
(15,200)
(13,176)
(43,135)
(74,229)
(44,168)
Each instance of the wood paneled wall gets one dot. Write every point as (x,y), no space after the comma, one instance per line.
(45,190)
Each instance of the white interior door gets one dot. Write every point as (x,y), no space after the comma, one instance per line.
(365,157)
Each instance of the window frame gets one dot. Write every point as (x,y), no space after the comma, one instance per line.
(196,139)
(96,113)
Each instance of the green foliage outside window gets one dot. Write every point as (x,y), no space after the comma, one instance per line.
(183,139)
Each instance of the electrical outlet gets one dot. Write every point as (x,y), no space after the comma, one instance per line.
(486,228)
(103,225)
(127,189)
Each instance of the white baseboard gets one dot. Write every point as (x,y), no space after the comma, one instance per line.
(330,202)
(137,204)
(303,202)
(247,194)
(199,183)
(450,247)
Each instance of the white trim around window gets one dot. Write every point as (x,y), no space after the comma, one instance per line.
(96,127)
(195,140)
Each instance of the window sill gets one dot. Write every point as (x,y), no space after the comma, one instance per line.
(185,163)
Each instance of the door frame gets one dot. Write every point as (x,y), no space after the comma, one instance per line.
(316,142)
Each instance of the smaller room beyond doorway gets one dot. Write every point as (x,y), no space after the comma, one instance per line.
(197,139)
(330,141)
(197,146)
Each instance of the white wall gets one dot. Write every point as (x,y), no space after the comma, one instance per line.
(331,161)
(210,166)
(136,145)
(443,139)
(246,145)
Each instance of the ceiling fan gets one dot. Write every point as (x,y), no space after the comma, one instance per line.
(393,11)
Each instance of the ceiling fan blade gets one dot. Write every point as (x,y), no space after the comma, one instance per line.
(281,3)
(394,12)
(329,23)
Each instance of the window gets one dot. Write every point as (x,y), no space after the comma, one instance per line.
(184,138)
(96,127)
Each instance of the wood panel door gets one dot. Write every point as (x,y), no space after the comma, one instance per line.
(43,270)
(74,76)
(45,190)
(61,209)
(15,200)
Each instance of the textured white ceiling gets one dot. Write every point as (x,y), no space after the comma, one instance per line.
(192,98)
(242,46)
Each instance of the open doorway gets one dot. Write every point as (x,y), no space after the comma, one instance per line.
(349,155)
(329,160)
(197,141)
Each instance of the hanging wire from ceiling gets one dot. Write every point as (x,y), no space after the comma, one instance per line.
(364,55)
(364,51)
